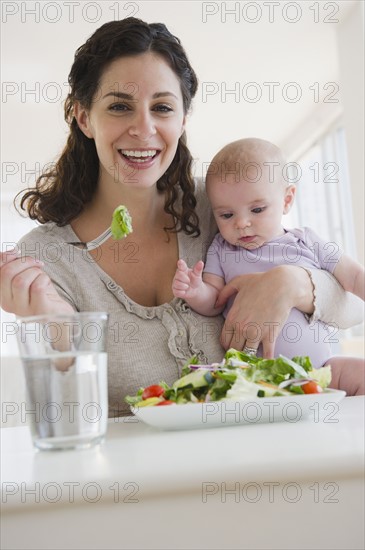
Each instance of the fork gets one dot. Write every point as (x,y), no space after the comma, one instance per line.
(91,245)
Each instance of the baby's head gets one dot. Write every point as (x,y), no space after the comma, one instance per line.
(248,192)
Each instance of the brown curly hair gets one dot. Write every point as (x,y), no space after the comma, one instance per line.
(61,192)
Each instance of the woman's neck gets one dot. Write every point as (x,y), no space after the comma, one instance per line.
(146,206)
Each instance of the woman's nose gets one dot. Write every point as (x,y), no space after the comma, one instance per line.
(142,126)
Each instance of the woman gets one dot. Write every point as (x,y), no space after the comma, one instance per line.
(131,89)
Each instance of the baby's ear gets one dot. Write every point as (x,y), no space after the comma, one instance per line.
(289,198)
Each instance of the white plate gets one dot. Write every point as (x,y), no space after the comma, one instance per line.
(250,411)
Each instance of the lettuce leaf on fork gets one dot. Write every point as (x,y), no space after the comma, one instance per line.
(121,224)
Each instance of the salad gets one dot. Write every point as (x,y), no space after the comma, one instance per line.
(121,224)
(238,376)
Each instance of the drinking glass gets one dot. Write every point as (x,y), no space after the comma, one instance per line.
(65,365)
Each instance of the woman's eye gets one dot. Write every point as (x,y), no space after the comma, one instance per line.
(258,210)
(162,108)
(226,216)
(119,107)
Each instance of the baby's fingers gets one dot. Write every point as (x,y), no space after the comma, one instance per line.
(177,284)
(182,266)
(196,273)
(180,283)
(198,268)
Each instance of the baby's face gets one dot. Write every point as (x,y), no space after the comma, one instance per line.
(248,213)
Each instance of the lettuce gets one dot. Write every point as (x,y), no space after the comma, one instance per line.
(240,375)
(121,224)
(133,399)
(323,375)
(273,371)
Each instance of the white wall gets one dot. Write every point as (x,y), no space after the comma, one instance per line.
(351,57)
(227,50)
(287,50)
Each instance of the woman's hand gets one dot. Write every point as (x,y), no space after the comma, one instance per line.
(26,289)
(262,305)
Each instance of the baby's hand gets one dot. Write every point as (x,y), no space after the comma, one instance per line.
(187,281)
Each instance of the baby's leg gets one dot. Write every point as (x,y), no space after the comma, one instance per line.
(348,373)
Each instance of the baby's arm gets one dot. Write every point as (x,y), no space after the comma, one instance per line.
(199,291)
(351,275)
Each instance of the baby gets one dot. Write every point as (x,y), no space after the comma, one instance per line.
(249,195)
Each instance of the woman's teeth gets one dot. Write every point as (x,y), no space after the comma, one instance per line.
(138,156)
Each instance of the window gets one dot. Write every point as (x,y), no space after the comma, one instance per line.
(323,202)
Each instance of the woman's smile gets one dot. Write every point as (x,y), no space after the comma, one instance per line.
(139,159)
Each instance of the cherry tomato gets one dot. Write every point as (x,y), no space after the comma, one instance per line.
(166,402)
(312,387)
(153,391)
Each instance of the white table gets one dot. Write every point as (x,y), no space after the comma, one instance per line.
(283,485)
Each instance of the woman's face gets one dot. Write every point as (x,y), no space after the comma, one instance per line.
(136,120)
